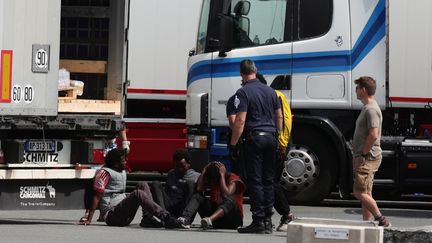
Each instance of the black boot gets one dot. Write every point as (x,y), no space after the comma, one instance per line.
(268,225)
(257,227)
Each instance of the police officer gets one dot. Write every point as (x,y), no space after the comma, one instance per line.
(258,119)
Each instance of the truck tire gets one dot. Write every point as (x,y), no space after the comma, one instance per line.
(310,169)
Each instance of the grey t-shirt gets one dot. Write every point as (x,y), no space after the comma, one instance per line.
(370,117)
(176,186)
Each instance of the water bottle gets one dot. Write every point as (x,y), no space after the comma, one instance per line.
(256,40)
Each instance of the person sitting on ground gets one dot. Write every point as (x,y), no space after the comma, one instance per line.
(224,208)
(117,208)
(179,186)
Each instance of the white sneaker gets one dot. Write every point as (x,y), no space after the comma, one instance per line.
(206,223)
(184,223)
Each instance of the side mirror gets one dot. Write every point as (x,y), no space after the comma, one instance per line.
(226,34)
(242,8)
(244,24)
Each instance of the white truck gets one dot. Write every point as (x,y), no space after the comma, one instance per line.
(50,146)
(160,35)
(315,50)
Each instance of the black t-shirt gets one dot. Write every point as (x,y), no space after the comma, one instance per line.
(260,102)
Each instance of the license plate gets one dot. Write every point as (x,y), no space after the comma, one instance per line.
(40,146)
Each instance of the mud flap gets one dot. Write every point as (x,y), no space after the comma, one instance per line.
(44,194)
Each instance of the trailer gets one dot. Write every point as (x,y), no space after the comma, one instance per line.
(53,141)
(130,57)
(160,36)
(317,49)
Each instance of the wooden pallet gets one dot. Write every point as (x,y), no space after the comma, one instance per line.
(83,66)
(70,103)
(71,93)
(89,106)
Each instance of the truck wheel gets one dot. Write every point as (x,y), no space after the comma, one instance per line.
(310,167)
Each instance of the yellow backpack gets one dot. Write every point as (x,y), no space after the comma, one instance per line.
(285,134)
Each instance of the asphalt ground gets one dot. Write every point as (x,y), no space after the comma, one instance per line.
(61,226)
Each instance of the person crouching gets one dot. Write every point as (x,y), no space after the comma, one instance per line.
(224,208)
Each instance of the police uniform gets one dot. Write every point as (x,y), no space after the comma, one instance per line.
(230,107)
(237,162)
(259,102)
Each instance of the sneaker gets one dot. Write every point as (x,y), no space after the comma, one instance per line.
(284,221)
(184,223)
(384,222)
(206,223)
(256,227)
(170,222)
(151,222)
(268,226)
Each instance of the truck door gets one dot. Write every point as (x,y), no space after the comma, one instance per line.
(261,31)
(321,55)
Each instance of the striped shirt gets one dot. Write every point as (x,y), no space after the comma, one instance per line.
(101,180)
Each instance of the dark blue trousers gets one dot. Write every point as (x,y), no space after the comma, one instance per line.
(260,162)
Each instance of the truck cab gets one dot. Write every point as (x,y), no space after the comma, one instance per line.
(314,51)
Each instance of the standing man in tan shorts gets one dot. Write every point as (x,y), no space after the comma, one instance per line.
(367,151)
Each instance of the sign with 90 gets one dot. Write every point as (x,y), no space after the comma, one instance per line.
(40,58)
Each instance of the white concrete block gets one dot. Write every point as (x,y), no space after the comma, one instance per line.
(315,230)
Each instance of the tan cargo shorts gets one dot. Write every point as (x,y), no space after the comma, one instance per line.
(364,171)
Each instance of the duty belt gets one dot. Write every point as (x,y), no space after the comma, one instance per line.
(256,133)
(250,134)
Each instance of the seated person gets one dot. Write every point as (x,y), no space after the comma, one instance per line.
(224,208)
(116,208)
(179,186)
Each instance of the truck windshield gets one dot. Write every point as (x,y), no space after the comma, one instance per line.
(258,22)
(255,22)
